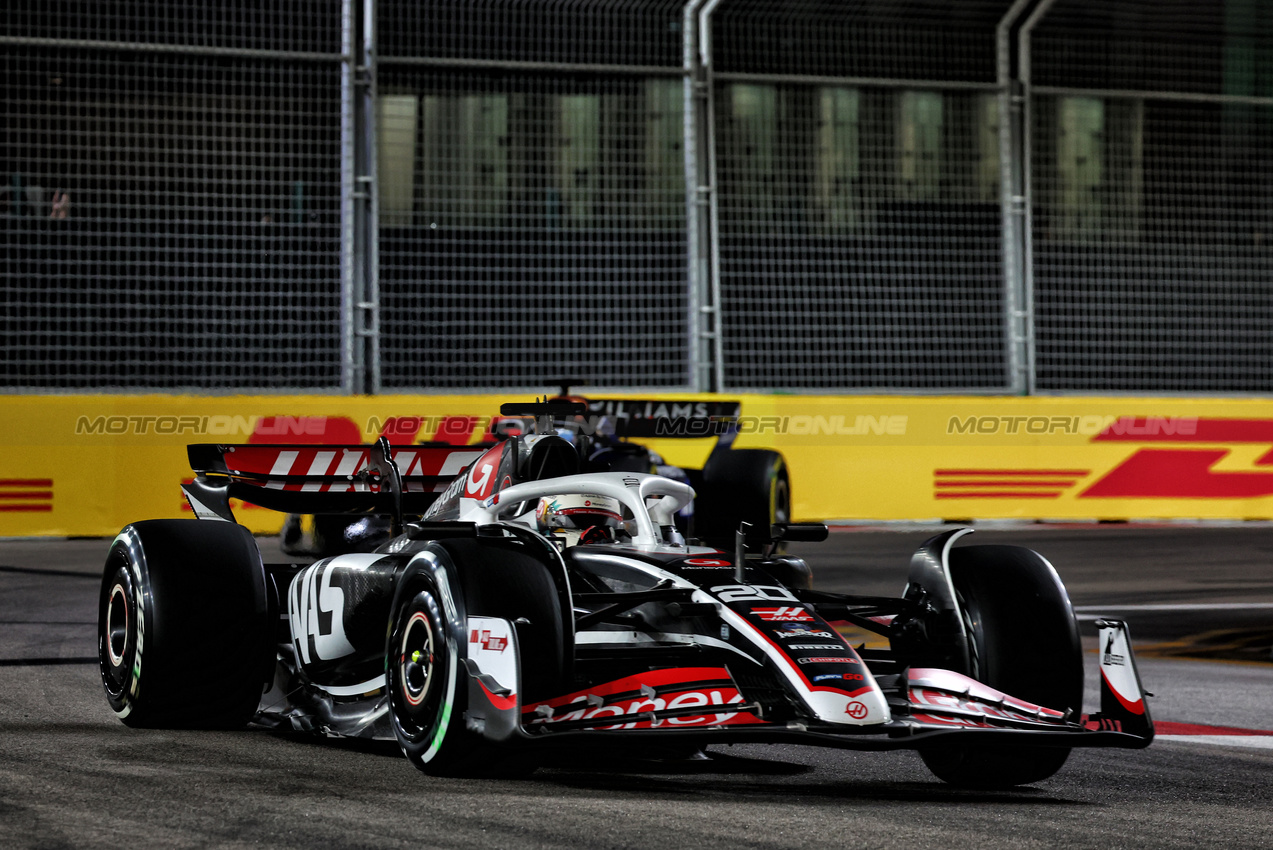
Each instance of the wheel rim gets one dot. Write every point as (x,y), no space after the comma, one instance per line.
(116,642)
(416,659)
(116,625)
(780,508)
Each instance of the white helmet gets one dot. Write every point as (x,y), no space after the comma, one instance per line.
(572,515)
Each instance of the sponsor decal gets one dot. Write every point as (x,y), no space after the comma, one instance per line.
(786,613)
(627,699)
(749,593)
(1109,656)
(651,418)
(1004,483)
(479,483)
(484,638)
(139,606)
(848,677)
(718,698)
(26,495)
(856,710)
(316,613)
(1174,467)
(821,647)
(1186,473)
(341,463)
(786,631)
(705,563)
(479,478)
(826,659)
(448,495)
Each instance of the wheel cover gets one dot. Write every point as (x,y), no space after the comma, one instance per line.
(117,643)
(420,671)
(116,636)
(416,659)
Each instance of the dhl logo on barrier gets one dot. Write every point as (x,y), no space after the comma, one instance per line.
(1183,461)
(26,495)
(118,459)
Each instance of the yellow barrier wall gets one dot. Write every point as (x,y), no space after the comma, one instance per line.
(87,465)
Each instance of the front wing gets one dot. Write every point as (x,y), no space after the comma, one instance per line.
(706,704)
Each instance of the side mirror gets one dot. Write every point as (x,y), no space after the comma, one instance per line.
(800,532)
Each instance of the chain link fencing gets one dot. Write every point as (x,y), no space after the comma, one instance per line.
(863,196)
(1153,197)
(169,214)
(859,212)
(532,196)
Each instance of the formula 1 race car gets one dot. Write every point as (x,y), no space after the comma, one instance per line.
(733,484)
(526,607)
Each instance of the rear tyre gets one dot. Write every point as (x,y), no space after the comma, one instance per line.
(427,679)
(742,485)
(1024,642)
(184,637)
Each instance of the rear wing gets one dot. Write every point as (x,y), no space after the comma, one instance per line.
(322,479)
(667,418)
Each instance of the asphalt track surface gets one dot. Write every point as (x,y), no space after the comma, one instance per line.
(1199,600)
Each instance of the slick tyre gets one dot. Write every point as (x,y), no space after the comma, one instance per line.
(742,485)
(426,675)
(426,692)
(1024,642)
(184,637)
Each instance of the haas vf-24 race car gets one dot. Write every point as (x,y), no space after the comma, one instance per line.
(513,612)
(732,485)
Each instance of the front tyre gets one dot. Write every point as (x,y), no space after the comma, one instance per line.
(1024,642)
(427,677)
(427,696)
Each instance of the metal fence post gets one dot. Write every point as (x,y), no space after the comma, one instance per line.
(713,204)
(704,324)
(369,206)
(1027,243)
(351,350)
(359,264)
(1018,317)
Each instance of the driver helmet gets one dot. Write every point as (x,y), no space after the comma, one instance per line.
(579,518)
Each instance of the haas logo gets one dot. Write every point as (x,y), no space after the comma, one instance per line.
(783,614)
(856,710)
(316,613)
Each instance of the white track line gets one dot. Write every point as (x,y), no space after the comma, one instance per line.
(1184,606)
(1257,742)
